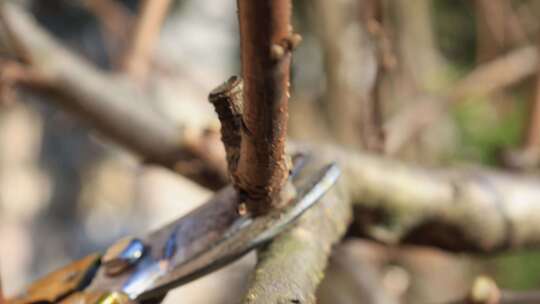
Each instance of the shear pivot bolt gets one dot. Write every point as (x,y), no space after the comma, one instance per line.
(122,255)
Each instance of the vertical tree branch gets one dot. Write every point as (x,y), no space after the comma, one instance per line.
(372,16)
(136,60)
(351,71)
(266,41)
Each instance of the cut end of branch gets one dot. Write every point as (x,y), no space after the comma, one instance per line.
(227,101)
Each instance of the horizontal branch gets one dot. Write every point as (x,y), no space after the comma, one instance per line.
(464,209)
(292,266)
(472,210)
(114,106)
(502,72)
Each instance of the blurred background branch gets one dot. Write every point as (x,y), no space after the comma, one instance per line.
(138,54)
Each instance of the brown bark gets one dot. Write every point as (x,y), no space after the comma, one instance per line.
(228,102)
(266,41)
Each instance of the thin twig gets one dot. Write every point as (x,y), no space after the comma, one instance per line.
(266,43)
(114,19)
(137,58)
(502,72)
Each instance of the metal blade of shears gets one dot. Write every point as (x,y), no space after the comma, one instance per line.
(140,269)
(207,238)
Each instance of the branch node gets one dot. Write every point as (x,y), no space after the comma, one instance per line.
(293,41)
(287,45)
(277,52)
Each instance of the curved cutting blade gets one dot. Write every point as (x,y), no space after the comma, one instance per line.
(209,237)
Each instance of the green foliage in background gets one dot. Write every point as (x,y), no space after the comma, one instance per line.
(485,128)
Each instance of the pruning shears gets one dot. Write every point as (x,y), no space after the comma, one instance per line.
(144,269)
